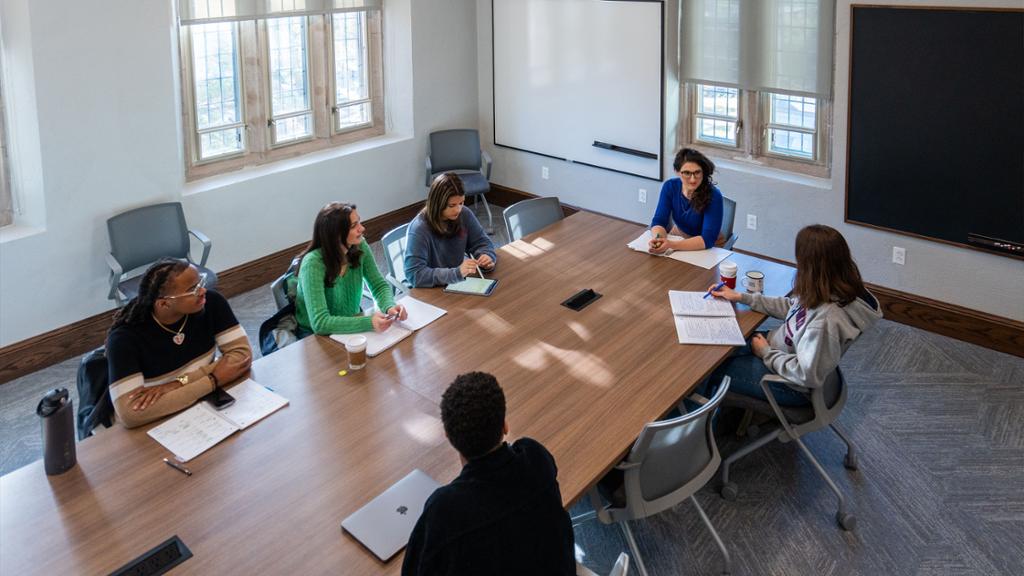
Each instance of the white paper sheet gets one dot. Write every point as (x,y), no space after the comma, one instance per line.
(253,402)
(420,313)
(694,304)
(192,432)
(706,259)
(377,342)
(697,330)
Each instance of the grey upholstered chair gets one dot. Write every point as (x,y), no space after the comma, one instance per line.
(279,288)
(669,462)
(459,151)
(528,216)
(826,403)
(144,235)
(728,222)
(394,244)
(621,567)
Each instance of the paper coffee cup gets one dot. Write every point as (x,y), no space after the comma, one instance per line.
(356,348)
(727,272)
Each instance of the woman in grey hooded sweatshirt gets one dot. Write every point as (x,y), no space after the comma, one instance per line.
(829,308)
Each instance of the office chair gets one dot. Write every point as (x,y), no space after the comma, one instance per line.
(528,216)
(459,151)
(144,235)
(394,244)
(793,422)
(728,222)
(620,568)
(669,462)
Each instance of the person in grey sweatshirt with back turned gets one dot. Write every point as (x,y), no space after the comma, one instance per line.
(829,309)
(445,243)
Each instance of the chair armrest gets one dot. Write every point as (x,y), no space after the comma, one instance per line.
(626,465)
(115,274)
(206,245)
(430,170)
(398,286)
(487,164)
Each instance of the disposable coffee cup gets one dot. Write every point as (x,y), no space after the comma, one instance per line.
(727,272)
(754,281)
(356,347)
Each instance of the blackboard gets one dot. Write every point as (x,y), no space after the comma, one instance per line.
(936,122)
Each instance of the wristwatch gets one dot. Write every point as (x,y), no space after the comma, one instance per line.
(183,379)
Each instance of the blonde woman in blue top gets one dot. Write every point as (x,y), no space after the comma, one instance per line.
(692,202)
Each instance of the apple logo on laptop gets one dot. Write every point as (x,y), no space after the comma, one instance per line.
(402,510)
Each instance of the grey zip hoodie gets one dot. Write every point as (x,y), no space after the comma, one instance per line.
(807,346)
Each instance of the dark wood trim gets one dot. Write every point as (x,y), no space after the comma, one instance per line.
(964,324)
(40,351)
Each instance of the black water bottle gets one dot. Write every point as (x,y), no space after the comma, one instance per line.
(58,423)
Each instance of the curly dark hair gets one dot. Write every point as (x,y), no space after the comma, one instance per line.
(473,413)
(140,308)
(702,195)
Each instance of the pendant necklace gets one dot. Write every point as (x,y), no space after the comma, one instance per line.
(179,336)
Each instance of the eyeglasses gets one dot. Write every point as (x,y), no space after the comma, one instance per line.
(687,174)
(193,291)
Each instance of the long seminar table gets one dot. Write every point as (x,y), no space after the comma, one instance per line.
(270,499)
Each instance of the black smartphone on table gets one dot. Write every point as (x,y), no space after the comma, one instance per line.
(219,398)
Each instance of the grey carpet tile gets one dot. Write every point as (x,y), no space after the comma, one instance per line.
(938,425)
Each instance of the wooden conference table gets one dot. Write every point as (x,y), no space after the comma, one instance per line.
(270,499)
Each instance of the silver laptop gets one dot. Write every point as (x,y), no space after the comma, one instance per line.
(384,525)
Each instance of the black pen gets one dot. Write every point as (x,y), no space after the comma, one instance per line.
(177,467)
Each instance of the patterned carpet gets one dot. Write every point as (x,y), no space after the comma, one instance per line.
(939,425)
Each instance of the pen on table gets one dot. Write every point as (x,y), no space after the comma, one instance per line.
(720,284)
(477,265)
(177,467)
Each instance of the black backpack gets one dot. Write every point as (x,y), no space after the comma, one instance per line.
(94,405)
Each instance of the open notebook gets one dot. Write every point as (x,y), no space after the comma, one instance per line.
(201,427)
(704,321)
(704,258)
(420,314)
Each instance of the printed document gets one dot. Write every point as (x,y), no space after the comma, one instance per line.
(707,259)
(700,321)
(419,315)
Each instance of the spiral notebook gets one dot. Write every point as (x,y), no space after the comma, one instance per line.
(419,315)
(702,320)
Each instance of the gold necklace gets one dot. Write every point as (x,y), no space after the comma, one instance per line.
(179,337)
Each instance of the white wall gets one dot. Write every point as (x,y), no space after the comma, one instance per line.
(783,205)
(106,111)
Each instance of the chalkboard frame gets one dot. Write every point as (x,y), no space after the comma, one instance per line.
(850,129)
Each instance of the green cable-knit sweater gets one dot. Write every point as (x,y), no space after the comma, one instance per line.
(335,310)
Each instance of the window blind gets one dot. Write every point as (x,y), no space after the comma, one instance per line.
(210,11)
(772,45)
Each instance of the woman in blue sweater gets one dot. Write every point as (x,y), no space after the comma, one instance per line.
(445,243)
(693,203)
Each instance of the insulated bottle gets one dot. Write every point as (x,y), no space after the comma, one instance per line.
(58,423)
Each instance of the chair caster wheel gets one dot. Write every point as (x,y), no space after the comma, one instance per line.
(730,491)
(846,521)
(850,462)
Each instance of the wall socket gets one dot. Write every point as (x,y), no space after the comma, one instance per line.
(544,172)
(641,196)
(751,222)
(899,255)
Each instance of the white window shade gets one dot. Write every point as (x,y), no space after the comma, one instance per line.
(209,11)
(769,45)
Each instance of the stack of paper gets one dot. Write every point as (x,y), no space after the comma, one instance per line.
(201,427)
(704,258)
(704,321)
(419,315)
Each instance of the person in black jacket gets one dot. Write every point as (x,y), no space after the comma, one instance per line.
(503,514)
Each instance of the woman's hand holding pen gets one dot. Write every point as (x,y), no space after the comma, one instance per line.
(468,268)
(659,240)
(485,261)
(719,291)
(381,322)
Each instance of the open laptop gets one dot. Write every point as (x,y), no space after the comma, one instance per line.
(385,523)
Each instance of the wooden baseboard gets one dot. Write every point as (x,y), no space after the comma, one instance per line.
(987,330)
(75,339)
(964,324)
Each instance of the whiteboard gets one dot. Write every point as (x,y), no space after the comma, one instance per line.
(571,72)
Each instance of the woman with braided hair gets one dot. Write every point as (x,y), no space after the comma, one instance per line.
(161,347)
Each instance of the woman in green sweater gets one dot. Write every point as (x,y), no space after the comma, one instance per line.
(331,273)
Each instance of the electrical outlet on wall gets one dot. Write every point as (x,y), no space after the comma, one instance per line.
(751,222)
(899,255)
(544,172)
(641,196)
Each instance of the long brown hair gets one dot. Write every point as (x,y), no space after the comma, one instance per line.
(442,189)
(139,308)
(330,235)
(825,270)
(702,195)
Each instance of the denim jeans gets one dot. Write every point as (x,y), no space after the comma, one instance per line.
(745,371)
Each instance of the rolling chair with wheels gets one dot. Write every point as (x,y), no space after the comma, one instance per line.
(459,151)
(826,403)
